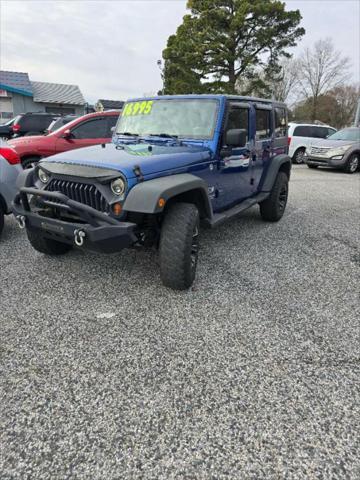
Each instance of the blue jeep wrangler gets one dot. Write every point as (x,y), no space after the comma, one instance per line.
(175,162)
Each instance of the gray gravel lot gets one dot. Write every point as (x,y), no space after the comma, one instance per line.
(253,374)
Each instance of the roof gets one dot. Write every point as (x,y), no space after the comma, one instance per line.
(16,82)
(57,93)
(117,104)
(212,96)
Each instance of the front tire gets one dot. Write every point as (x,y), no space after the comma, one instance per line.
(273,208)
(46,245)
(179,245)
(353,163)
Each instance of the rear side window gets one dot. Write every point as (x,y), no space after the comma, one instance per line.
(263,124)
(96,128)
(36,123)
(303,131)
(280,122)
(311,131)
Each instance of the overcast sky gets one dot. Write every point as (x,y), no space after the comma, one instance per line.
(110,48)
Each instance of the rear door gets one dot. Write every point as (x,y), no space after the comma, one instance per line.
(263,142)
(84,134)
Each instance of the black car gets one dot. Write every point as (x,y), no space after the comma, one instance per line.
(60,122)
(6,130)
(32,123)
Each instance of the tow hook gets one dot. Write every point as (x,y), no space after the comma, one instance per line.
(79,237)
(21,221)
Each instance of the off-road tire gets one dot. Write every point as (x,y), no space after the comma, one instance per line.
(298,157)
(46,245)
(28,162)
(273,208)
(312,166)
(2,214)
(178,247)
(352,165)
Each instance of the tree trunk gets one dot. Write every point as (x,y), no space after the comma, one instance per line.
(232,78)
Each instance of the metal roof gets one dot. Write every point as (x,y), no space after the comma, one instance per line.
(116,104)
(17,82)
(57,93)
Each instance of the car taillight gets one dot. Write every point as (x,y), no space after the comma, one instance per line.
(10,155)
(16,127)
(289,141)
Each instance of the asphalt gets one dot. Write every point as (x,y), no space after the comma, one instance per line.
(252,374)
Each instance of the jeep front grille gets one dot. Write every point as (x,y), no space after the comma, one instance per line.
(80,192)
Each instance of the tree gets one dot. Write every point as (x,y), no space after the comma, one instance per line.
(222,41)
(321,69)
(336,107)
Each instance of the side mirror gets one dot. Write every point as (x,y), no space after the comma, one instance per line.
(236,137)
(112,129)
(66,134)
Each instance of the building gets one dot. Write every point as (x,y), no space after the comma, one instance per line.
(102,105)
(18,94)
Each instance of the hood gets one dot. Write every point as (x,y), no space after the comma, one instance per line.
(331,143)
(151,159)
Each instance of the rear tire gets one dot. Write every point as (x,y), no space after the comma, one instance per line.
(46,245)
(298,157)
(273,208)
(179,246)
(352,164)
(2,214)
(30,162)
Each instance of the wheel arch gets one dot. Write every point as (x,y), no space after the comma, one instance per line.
(145,196)
(279,163)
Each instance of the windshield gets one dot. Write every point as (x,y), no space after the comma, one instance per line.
(192,118)
(351,134)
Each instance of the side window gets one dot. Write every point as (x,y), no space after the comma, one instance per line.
(331,131)
(322,132)
(303,131)
(263,124)
(238,118)
(111,123)
(96,128)
(280,122)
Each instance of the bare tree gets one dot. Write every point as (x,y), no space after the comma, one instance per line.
(283,86)
(321,69)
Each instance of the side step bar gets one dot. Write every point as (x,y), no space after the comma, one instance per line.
(219,218)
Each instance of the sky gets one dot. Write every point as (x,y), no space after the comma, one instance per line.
(110,48)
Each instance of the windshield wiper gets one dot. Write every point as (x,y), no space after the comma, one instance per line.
(164,135)
(128,134)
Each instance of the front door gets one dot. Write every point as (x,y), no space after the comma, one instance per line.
(234,173)
(85,134)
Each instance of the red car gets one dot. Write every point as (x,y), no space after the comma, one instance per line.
(85,131)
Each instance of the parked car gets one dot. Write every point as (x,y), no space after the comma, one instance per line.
(31,123)
(84,131)
(341,150)
(6,130)
(175,160)
(60,122)
(9,170)
(302,134)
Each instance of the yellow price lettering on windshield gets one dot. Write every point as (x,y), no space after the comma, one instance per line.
(137,108)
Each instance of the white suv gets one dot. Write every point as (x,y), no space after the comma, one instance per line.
(300,135)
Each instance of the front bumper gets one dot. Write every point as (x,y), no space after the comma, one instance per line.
(100,232)
(326,161)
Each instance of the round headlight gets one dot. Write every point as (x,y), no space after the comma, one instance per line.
(43,176)
(118,186)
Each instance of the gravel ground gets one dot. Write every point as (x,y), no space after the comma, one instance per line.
(253,374)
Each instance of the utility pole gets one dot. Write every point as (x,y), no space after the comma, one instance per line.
(161,68)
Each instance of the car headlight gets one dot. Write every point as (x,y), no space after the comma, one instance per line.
(339,150)
(118,186)
(43,176)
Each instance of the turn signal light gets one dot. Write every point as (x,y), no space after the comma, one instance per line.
(10,155)
(161,202)
(117,209)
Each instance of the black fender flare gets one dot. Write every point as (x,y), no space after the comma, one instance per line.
(25,178)
(144,197)
(280,162)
